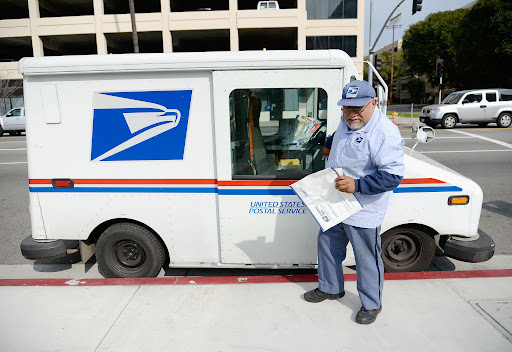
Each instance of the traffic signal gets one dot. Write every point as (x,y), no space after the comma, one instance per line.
(441,86)
(416,6)
(439,67)
(378,63)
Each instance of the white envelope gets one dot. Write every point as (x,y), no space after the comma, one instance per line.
(328,206)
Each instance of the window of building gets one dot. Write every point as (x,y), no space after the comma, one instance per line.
(277,133)
(346,43)
(331,9)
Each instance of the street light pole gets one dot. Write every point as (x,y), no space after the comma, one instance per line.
(134,27)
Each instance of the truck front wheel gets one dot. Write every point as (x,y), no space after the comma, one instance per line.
(407,249)
(129,250)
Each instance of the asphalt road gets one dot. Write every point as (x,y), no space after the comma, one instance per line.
(482,154)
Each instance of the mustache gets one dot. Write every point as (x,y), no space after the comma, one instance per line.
(350,123)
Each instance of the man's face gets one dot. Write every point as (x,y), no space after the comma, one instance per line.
(358,116)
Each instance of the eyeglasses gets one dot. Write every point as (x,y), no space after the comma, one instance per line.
(357,110)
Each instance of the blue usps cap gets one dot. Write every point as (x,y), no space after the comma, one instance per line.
(356,93)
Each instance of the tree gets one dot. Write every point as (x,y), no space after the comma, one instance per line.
(432,39)
(417,89)
(483,45)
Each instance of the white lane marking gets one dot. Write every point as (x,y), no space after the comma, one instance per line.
(484,138)
(20,162)
(467,151)
(13,149)
(454,137)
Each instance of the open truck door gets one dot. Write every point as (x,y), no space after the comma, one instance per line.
(270,127)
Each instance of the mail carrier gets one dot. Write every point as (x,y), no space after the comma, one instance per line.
(186,160)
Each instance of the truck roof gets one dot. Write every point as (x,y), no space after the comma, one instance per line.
(227,60)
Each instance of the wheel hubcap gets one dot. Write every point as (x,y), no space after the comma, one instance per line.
(401,248)
(506,120)
(450,122)
(129,253)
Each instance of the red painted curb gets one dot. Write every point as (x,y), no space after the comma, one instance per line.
(222,280)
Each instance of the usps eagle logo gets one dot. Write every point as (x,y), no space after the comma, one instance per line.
(149,125)
(352,92)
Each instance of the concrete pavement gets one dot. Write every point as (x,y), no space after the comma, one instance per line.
(458,310)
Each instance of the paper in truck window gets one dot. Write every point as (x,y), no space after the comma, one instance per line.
(327,205)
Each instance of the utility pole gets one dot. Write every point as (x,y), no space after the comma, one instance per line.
(392,56)
(134,27)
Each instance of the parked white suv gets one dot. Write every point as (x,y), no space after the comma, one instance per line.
(481,106)
(13,122)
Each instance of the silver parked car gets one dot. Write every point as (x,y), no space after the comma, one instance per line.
(13,122)
(480,106)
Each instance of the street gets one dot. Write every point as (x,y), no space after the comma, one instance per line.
(482,154)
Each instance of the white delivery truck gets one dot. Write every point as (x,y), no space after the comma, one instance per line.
(186,160)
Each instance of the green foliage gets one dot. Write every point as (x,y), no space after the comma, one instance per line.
(417,89)
(432,39)
(484,45)
(475,43)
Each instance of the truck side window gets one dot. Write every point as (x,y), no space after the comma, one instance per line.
(490,97)
(277,133)
(16,112)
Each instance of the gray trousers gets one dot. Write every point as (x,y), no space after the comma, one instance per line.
(332,250)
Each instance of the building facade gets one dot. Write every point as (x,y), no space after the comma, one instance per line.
(60,27)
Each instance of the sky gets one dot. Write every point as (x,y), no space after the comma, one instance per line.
(383,8)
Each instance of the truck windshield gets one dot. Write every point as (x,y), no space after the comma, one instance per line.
(452,98)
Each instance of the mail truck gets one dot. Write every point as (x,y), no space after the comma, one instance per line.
(186,160)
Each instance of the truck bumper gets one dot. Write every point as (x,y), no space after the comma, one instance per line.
(472,251)
(32,249)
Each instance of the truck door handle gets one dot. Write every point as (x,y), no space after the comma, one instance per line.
(483,106)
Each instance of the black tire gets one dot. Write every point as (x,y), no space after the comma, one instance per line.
(449,121)
(504,120)
(407,249)
(483,124)
(129,250)
(1,132)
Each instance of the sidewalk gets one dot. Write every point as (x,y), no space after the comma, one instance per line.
(460,310)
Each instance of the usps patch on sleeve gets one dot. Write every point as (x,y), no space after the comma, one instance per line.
(150,125)
(352,92)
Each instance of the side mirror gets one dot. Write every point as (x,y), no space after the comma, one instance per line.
(423,134)
(8,115)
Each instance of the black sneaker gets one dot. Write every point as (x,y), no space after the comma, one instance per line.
(367,316)
(316,295)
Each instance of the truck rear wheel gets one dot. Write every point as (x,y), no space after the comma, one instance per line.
(407,249)
(129,250)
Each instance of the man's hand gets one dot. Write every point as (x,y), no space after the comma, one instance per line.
(345,184)
(325,151)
